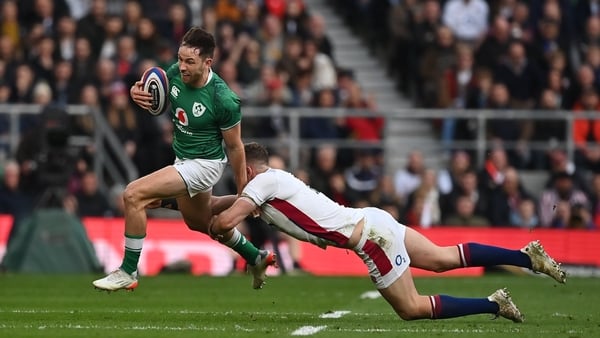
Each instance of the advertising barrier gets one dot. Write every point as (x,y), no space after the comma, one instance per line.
(169,241)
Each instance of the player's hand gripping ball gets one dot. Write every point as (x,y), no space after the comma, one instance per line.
(156,83)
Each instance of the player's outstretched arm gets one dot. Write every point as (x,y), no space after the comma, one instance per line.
(141,97)
(228,219)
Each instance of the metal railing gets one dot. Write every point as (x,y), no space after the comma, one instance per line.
(480,145)
(104,136)
(103,139)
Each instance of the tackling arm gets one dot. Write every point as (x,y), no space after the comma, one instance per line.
(231,217)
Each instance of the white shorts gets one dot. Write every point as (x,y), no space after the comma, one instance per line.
(200,175)
(382,247)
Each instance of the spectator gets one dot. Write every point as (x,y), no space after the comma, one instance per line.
(453,92)
(423,204)
(363,176)
(401,55)
(521,24)
(65,90)
(549,41)
(468,19)
(547,131)
(447,180)
(43,58)
(406,180)
(113,30)
(121,116)
(562,190)
(385,196)
(504,203)
(83,62)
(271,39)
(90,201)
(434,61)
(467,185)
(317,32)
(105,77)
(250,22)
(426,28)
(494,48)
(294,21)
(584,81)
(324,76)
(323,168)
(586,132)
(13,200)
(22,90)
(91,26)
(316,127)
(132,15)
(491,176)
(559,162)
(146,39)
(9,23)
(127,58)
(365,128)
(249,66)
(522,77)
(465,214)
(66,38)
(526,215)
(292,52)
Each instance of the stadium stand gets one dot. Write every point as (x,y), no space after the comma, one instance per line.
(538,57)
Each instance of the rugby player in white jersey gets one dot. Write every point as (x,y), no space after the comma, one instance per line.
(387,247)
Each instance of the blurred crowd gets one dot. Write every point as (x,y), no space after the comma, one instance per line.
(502,54)
(535,55)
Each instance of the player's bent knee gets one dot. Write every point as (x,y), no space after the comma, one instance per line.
(409,314)
(132,196)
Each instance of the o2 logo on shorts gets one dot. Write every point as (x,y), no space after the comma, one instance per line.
(400,260)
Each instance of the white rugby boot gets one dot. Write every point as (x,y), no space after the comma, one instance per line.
(117,280)
(259,270)
(507,308)
(541,262)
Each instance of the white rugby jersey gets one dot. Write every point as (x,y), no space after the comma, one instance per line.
(301,211)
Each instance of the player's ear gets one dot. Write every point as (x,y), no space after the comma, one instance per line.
(208,61)
(248,171)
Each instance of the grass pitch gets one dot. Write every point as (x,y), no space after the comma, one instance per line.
(193,306)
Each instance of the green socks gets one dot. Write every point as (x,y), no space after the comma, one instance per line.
(133,248)
(244,247)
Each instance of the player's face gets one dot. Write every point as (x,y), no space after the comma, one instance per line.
(192,66)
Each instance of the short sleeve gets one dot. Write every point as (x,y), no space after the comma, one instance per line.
(230,113)
(262,188)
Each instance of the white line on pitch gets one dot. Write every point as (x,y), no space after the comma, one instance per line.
(308,330)
(370,295)
(334,314)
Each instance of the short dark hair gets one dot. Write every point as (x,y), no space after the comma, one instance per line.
(256,153)
(199,38)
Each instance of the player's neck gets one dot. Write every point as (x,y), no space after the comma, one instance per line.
(203,81)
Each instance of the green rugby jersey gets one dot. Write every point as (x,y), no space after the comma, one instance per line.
(200,114)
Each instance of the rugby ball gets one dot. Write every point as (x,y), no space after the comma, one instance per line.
(155,82)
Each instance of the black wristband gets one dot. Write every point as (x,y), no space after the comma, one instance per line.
(169,203)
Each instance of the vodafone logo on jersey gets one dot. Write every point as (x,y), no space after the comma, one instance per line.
(181,116)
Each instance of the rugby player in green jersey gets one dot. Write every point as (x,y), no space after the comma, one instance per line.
(205,113)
